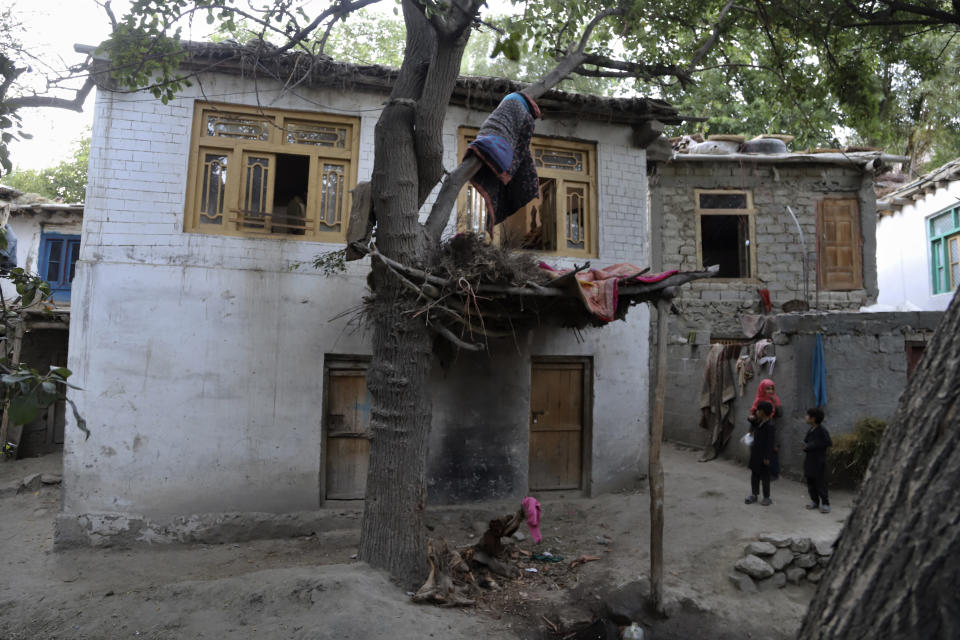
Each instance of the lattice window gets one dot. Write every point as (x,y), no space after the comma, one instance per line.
(563,220)
(289,172)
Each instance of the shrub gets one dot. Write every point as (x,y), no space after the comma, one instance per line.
(850,454)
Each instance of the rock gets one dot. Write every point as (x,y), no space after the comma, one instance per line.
(823,561)
(603,540)
(759,549)
(823,547)
(800,545)
(51,478)
(30,483)
(754,567)
(626,604)
(777,581)
(795,575)
(777,539)
(518,536)
(805,560)
(781,558)
(743,582)
(815,575)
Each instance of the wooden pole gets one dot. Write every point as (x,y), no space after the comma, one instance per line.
(14,362)
(655,468)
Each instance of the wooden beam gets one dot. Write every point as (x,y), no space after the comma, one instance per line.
(654,465)
(14,362)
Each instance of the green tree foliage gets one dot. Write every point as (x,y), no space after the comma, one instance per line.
(65,182)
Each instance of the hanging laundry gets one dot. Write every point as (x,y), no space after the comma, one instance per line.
(508,180)
(818,374)
(763,354)
(716,399)
(744,372)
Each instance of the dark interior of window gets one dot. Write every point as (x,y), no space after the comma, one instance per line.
(725,241)
(290,189)
(733,200)
(535,226)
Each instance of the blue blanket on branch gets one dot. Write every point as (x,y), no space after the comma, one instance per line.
(508,179)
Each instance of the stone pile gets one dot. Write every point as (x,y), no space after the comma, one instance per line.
(775,560)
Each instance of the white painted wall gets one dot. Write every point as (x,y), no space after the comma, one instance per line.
(201,356)
(903,252)
(28,226)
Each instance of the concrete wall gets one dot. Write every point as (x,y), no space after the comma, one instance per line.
(201,356)
(866,373)
(903,252)
(715,305)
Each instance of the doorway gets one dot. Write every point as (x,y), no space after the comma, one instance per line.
(559,425)
(346,429)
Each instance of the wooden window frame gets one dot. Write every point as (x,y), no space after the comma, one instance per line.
(563,179)
(750,211)
(821,239)
(236,150)
(63,283)
(939,243)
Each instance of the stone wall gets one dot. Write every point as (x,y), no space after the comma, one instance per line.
(714,304)
(866,366)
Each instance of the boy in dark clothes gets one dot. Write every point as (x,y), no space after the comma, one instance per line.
(761,453)
(815,445)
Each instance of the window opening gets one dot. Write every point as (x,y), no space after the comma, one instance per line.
(725,241)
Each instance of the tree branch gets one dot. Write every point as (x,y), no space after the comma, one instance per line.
(711,41)
(76,104)
(447,198)
(340,9)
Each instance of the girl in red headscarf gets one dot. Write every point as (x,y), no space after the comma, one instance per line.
(767,392)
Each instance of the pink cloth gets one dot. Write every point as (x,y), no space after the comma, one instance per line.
(532,510)
(598,287)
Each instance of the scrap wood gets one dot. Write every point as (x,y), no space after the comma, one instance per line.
(583,560)
(446,569)
(552,625)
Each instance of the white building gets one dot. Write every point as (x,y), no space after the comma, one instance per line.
(219,376)
(918,242)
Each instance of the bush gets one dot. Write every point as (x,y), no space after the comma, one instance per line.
(850,454)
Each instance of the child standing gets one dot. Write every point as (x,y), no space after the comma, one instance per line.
(815,444)
(761,453)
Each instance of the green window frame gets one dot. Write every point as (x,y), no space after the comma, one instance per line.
(943,230)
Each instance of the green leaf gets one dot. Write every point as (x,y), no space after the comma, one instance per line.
(63,372)
(24,409)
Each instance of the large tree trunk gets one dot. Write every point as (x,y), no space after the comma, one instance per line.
(896,569)
(407,137)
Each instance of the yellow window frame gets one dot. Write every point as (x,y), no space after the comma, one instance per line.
(586,178)
(267,138)
(749,211)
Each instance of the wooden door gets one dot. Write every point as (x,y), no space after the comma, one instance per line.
(839,243)
(347,428)
(556,425)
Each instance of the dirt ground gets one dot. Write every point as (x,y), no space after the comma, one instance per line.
(310,588)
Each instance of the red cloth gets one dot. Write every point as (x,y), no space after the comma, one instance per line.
(598,287)
(763,397)
(531,508)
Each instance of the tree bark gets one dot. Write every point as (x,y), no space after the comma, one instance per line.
(392,531)
(896,569)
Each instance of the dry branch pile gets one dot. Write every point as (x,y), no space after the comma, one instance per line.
(472,291)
